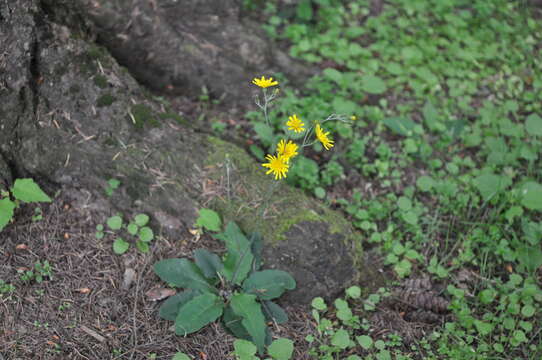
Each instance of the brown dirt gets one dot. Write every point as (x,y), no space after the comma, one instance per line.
(82,311)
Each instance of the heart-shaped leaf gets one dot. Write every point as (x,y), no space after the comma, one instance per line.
(28,191)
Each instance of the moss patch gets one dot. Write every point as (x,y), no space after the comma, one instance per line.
(105,100)
(100,81)
(142,114)
(248,187)
(176,117)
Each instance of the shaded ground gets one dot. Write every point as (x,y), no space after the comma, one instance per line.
(84,311)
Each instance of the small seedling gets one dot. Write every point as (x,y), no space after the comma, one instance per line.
(112,185)
(136,229)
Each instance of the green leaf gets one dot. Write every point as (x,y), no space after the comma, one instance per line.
(114,222)
(304,10)
(431,116)
(170,307)
(141,219)
(6,212)
(333,74)
(319,304)
(373,84)
(353,292)
(209,263)
(269,284)
(365,341)
(343,310)
(244,350)
(238,260)
(490,184)
(146,234)
(245,305)
(256,247)
(533,125)
(180,356)
(142,246)
(425,183)
(198,312)
(120,246)
(113,183)
(265,133)
(28,191)
(487,296)
(528,310)
(341,339)
(233,324)
(132,229)
(182,273)
(274,312)
(281,349)
(209,220)
(532,195)
(400,125)
(483,328)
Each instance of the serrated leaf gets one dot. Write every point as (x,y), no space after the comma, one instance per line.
(269,284)
(170,307)
(238,260)
(281,349)
(141,219)
(249,309)
(28,191)
(120,246)
(146,234)
(209,263)
(274,312)
(6,212)
(182,273)
(198,312)
(209,219)
(114,222)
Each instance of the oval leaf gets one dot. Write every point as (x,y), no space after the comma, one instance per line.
(209,219)
(114,222)
(273,312)
(197,313)
(208,262)
(6,212)
(269,284)
(146,234)
(253,321)
(238,261)
(182,273)
(373,84)
(170,307)
(120,246)
(141,219)
(532,195)
(281,349)
(28,191)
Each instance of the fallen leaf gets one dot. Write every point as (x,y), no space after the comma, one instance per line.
(83,290)
(21,247)
(158,294)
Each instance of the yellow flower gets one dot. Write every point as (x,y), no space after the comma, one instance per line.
(264,83)
(323,137)
(295,124)
(286,150)
(276,165)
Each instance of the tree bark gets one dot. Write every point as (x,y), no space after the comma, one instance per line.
(72,118)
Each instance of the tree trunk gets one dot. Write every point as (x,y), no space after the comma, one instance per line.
(72,118)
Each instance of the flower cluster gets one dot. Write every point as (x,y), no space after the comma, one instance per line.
(279,164)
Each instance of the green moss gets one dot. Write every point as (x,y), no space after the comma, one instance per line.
(176,117)
(105,100)
(74,89)
(100,81)
(288,206)
(142,114)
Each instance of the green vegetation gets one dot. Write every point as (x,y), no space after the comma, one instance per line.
(244,293)
(136,229)
(23,191)
(444,152)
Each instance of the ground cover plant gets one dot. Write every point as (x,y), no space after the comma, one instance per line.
(441,169)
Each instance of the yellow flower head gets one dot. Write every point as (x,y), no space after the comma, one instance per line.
(276,165)
(286,150)
(323,137)
(264,83)
(295,124)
